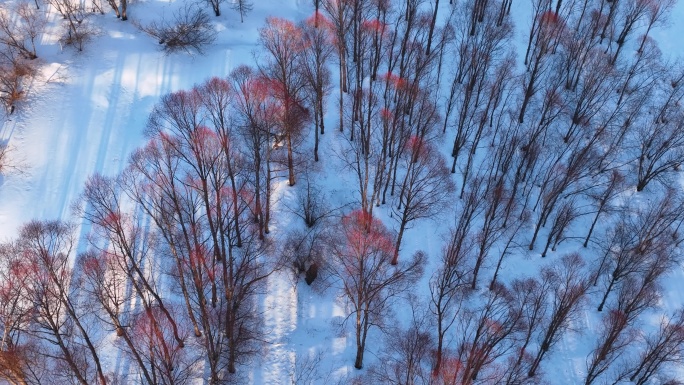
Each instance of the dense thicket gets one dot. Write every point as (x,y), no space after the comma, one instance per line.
(582,125)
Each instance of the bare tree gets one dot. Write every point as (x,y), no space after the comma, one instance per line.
(481,57)
(369,281)
(580,49)
(448,290)
(614,185)
(511,235)
(661,141)
(187,180)
(630,15)
(78,30)
(364,154)
(20,26)
(502,221)
(498,205)
(615,337)
(4,158)
(120,264)
(546,30)
(591,87)
(635,295)
(16,312)
(662,349)
(119,8)
(243,7)
(59,322)
(244,274)
(487,334)
(566,214)
(220,280)
(642,76)
(406,359)
(170,363)
(305,249)
(126,240)
(637,241)
(318,49)
(105,286)
(425,189)
(216,7)
(530,296)
(433,22)
(307,369)
(569,285)
(254,117)
(216,96)
(284,43)
(312,205)
(560,180)
(339,13)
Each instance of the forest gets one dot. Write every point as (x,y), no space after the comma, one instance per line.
(485,196)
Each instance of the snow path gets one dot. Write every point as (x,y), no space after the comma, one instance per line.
(90,115)
(280,320)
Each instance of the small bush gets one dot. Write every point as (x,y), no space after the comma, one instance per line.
(20,27)
(15,73)
(190,30)
(8,163)
(3,158)
(78,30)
(304,252)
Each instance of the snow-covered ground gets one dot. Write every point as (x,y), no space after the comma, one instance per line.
(86,113)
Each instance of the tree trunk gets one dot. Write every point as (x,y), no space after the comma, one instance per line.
(358,362)
(641,184)
(290,161)
(236,212)
(548,243)
(316,136)
(267,212)
(605,296)
(591,228)
(433,21)
(402,227)
(535,364)
(476,270)
(440,346)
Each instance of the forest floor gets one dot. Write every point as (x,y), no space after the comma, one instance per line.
(86,113)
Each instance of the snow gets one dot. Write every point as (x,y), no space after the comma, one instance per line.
(86,114)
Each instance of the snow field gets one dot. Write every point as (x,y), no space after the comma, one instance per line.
(86,114)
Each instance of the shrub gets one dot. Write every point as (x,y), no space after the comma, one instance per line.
(190,30)
(15,73)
